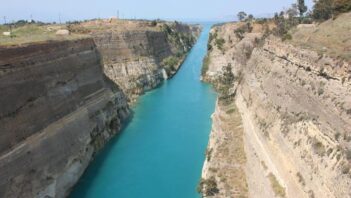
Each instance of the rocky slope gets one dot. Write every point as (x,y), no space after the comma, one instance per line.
(295,106)
(59,105)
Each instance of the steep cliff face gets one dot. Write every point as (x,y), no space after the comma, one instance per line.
(62,100)
(57,109)
(295,106)
(139,55)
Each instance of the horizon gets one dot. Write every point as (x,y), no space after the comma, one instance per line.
(63,11)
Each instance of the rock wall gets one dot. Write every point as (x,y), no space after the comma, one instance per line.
(61,101)
(295,106)
(57,110)
(140,59)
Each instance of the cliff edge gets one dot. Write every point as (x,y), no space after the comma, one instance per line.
(295,109)
(64,98)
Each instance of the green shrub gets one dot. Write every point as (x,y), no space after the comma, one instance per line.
(220,42)
(278,189)
(170,63)
(205,65)
(209,154)
(230,111)
(345,168)
(240,31)
(154,23)
(318,147)
(286,36)
(301,179)
(208,187)
(225,83)
(320,91)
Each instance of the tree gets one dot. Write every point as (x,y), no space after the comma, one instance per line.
(302,7)
(250,17)
(322,9)
(241,16)
(228,76)
(208,187)
(292,11)
(276,16)
(154,23)
(226,83)
(341,6)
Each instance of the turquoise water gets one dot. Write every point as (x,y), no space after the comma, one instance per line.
(161,151)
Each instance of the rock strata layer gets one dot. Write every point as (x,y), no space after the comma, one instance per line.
(295,106)
(139,59)
(61,101)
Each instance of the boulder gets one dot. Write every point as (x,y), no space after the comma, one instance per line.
(62,32)
(6,33)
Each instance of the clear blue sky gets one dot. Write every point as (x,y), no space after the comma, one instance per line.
(49,10)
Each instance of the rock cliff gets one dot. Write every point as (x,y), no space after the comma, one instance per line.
(295,107)
(57,109)
(62,100)
(139,55)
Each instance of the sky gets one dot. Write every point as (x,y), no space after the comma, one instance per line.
(183,10)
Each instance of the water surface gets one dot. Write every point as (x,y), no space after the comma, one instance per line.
(161,151)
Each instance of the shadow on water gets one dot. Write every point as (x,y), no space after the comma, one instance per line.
(86,181)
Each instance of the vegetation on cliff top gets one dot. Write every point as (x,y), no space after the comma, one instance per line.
(181,39)
(331,37)
(326,9)
(28,32)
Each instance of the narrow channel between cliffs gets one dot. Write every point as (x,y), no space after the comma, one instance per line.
(160,153)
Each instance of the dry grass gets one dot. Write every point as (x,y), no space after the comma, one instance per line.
(31,33)
(121,25)
(278,189)
(332,37)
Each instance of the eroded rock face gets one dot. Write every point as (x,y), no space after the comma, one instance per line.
(137,59)
(295,109)
(57,109)
(61,101)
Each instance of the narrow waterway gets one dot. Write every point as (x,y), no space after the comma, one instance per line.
(161,152)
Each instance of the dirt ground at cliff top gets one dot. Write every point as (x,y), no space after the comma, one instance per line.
(30,33)
(332,37)
(118,24)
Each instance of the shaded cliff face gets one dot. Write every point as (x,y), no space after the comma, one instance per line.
(138,55)
(63,100)
(295,108)
(57,109)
